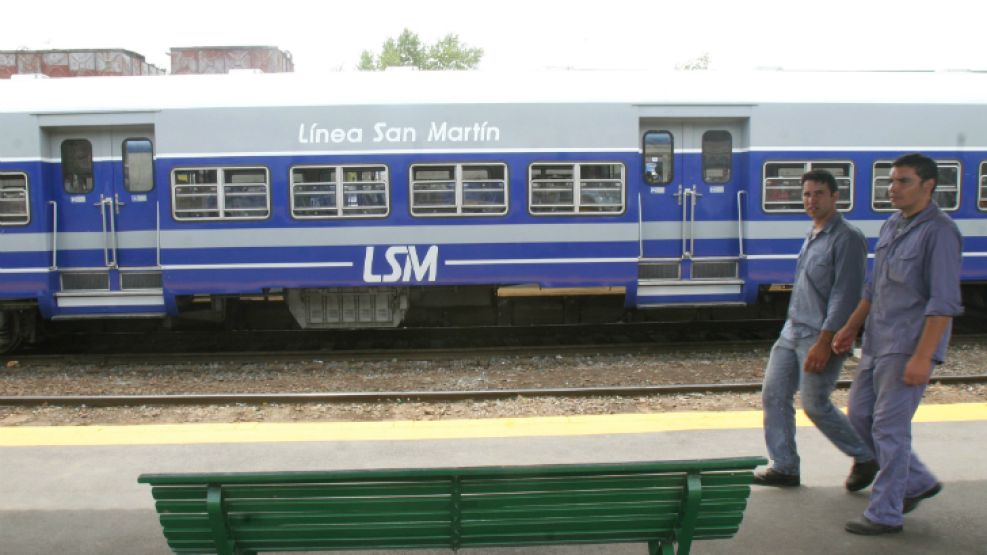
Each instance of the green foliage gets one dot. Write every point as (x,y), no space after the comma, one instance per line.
(409,51)
(700,63)
(366,61)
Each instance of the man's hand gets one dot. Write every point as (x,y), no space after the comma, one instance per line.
(843,340)
(918,370)
(919,367)
(818,356)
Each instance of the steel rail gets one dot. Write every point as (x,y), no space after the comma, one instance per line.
(406,354)
(387,354)
(403,396)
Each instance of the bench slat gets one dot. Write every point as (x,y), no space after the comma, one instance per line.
(314,489)
(339,544)
(706,465)
(503,485)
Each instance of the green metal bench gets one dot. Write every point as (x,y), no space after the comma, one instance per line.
(660,503)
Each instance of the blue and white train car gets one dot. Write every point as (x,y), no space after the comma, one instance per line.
(358,199)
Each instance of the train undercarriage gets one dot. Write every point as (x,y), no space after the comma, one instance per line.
(407,307)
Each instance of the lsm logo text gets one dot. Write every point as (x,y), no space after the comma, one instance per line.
(405,265)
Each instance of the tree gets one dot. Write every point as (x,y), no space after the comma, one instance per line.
(409,51)
(702,62)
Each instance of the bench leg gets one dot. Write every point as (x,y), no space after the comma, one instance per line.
(660,548)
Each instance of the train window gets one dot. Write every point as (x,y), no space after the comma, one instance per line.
(658,160)
(458,189)
(220,193)
(77,166)
(982,194)
(782,185)
(14,209)
(946,195)
(879,199)
(717,156)
(843,172)
(138,165)
(582,188)
(339,191)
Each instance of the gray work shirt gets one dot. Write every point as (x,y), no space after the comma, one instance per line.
(829,279)
(916,274)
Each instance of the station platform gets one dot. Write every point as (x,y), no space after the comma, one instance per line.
(74,489)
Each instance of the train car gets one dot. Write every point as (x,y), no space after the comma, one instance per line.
(389,199)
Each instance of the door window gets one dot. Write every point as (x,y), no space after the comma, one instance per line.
(138,166)
(717,156)
(658,163)
(77,165)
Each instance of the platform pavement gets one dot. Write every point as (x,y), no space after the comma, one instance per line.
(84,499)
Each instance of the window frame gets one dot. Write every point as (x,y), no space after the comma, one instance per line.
(807,165)
(644,158)
(939,163)
(27,199)
(703,156)
(339,183)
(577,181)
(458,184)
(220,193)
(64,166)
(982,187)
(126,174)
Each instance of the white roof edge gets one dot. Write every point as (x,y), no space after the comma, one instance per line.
(638,88)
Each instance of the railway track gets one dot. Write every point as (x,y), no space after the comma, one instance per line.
(419,396)
(435,354)
(205,361)
(410,354)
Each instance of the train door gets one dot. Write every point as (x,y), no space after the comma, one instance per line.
(690,212)
(107,227)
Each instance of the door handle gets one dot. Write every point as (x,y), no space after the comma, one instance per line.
(117,203)
(109,230)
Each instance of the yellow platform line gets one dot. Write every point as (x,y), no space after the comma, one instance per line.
(263,432)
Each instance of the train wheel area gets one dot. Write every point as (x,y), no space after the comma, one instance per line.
(17,327)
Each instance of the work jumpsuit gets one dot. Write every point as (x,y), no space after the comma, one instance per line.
(829,278)
(916,275)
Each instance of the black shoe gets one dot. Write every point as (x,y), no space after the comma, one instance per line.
(912,502)
(865,527)
(771,477)
(861,475)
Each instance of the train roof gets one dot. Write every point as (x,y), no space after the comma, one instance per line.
(176,92)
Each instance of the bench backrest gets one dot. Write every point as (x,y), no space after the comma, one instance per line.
(658,502)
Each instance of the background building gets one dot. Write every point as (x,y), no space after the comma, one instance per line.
(75,63)
(115,61)
(222,59)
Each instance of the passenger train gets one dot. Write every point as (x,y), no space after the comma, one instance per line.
(394,199)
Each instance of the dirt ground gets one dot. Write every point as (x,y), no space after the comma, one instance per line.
(469,373)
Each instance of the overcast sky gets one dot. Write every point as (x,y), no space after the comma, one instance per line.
(531,34)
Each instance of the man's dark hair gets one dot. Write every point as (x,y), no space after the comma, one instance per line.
(925,167)
(821,176)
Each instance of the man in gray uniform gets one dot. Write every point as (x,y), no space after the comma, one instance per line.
(828,282)
(908,304)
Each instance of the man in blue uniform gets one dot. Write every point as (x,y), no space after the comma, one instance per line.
(908,304)
(829,278)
